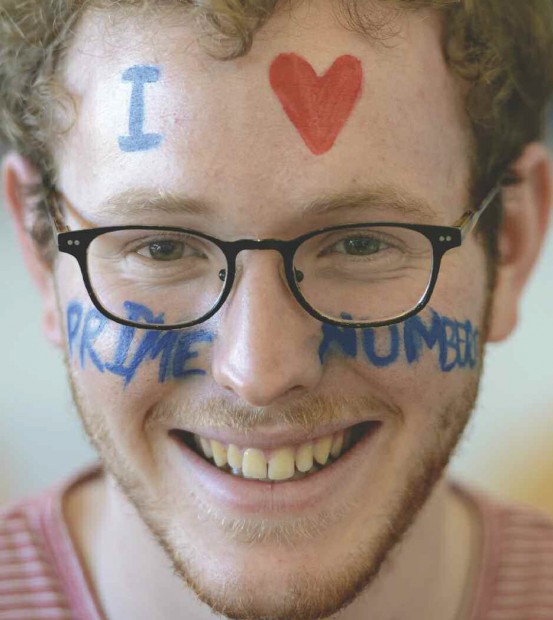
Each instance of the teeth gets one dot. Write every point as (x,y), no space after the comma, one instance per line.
(206,447)
(337,445)
(219,453)
(304,457)
(254,464)
(281,464)
(322,449)
(234,457)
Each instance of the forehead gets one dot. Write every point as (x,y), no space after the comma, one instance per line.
(225,132)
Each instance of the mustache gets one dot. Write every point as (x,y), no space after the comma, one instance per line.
(307,414)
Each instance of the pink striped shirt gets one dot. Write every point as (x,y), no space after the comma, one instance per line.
(41,577)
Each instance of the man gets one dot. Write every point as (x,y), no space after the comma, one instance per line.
(272,242)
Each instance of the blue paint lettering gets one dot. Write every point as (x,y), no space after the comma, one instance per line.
(135,312)
(456,343)
(74,318)
(449,351)
(370,347)
(94,325)
(184,353)
(415,332)
(137,140)
(173,349)
(153,345)
(340,339)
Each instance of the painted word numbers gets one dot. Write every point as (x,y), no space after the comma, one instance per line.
(456,343)
(137,140)
(317,106)
(174,349)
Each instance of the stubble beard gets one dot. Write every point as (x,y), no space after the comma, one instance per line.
(304,595)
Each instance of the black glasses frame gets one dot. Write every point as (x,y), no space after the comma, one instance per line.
(442,238)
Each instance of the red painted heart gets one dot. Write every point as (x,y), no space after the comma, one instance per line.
(317,106)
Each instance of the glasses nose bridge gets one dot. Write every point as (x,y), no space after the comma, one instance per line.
(286,249)
(261,244)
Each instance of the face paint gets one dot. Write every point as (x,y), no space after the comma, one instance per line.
(93,324)
(318,106)
(174,350)
(137,140)
(455,342)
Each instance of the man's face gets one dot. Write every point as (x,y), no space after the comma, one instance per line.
(155,114)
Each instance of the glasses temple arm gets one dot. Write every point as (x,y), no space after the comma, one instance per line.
(467,222)
(56,215)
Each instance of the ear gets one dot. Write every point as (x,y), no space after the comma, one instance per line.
(526,208)
(19,177)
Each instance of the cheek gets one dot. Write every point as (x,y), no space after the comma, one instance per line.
(121,372)
(430,343)
(418,367)
(427,367)
(442,339)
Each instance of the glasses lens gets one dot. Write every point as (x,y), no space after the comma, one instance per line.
(364,274)
(178,277)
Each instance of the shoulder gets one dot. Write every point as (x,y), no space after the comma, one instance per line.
(28,579)
(34,554)
(515,581)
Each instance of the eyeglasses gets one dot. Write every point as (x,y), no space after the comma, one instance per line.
(352,275)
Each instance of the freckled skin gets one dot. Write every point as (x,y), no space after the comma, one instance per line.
(227,141)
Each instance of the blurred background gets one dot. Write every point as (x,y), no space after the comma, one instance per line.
(507,448)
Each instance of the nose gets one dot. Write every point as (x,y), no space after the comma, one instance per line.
(267,345)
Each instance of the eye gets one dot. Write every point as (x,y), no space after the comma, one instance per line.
(162,250)
(361,246)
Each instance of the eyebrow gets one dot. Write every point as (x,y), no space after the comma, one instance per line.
(380,198)
(136,202)
(143,201)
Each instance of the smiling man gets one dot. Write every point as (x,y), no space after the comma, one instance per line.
(272,242)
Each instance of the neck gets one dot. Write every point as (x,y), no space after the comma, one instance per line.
(438,549)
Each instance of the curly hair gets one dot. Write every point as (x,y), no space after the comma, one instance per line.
(502,50)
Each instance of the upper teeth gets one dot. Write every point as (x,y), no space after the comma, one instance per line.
(278,464)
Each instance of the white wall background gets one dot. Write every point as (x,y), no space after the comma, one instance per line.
(508,440)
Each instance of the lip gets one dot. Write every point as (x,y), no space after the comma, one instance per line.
(273,438)
(248,496)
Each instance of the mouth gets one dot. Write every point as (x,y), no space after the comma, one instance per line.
(284,463)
